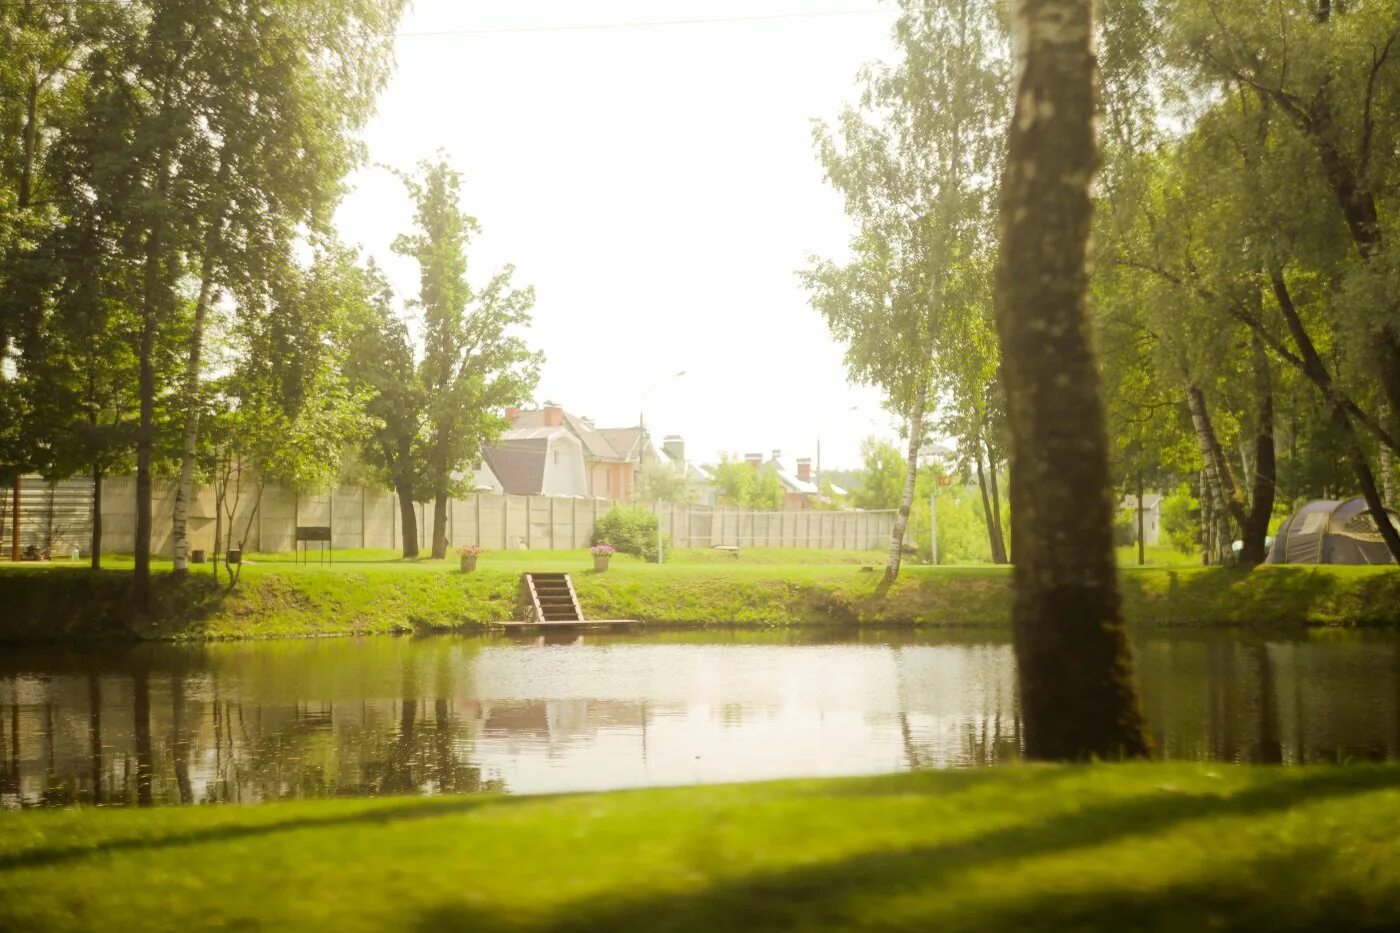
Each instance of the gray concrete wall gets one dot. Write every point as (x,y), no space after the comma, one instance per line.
(57,517)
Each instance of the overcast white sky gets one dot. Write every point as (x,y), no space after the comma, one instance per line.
(656,184)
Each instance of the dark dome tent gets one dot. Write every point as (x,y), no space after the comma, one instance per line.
(1328,531)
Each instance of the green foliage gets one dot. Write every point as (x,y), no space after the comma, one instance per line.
(631,529)
(1181,520)
(291,400)
(474,363)
(882,478)
(748,487)
(666,482)
(430,417)
(962,524)
(1124,527)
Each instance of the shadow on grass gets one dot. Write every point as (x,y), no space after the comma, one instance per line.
(1262,596)
(836,895)
(33,858)
(56,606)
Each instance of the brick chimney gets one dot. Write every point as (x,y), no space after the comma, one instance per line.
(754,460)
(512,412)
(553,415)
(777,455)
(804,469)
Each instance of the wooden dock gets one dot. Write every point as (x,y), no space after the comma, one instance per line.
(573,625)
(551,603)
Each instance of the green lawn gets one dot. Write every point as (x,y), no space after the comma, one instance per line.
(1108,847)
(366,593)
(1157,556)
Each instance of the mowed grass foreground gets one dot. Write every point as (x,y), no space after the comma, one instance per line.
(364,593)
(1107,847)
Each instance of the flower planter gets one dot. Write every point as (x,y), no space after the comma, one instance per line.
(600,561)
(468,563)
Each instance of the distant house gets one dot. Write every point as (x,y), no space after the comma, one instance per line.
(539,461)
(1151,518)
(702,484)
(610,458)
(800,490)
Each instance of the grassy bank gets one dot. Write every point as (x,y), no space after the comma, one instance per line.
(1161,846)
(371,594)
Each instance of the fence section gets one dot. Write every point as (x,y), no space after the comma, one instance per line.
(56,518)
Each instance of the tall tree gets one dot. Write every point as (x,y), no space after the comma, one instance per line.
(915,163)
(474,362)
(1074,663)
(291,404)
(882,475)
(382,360)
(279,105)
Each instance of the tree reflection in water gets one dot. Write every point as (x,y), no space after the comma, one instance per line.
(255,722)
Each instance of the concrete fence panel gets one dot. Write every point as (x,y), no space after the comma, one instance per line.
(57,517)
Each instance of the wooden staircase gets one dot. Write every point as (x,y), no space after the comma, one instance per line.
(550,597)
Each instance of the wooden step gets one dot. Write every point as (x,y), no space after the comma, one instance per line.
(550,597)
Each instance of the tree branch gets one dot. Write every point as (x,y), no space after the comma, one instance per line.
(1367,120)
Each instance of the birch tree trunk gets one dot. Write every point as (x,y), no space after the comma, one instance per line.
(901,520)
(1074,664)
(1207,520)
(1227,500)
(184,491)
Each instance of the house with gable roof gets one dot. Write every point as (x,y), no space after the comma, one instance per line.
(800,489)
(549,451)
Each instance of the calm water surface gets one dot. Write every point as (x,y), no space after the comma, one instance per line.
(259,721)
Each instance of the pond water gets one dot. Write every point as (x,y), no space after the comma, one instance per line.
(248,722)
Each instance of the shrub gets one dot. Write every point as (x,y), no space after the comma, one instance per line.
(1124,527)
(1181,520)
(630,529)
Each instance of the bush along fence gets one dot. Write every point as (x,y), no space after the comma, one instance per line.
(56,518)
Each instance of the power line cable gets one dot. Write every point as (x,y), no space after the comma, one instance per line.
(546,28)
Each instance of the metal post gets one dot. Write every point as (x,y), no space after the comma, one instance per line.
(933,522)
(14,524)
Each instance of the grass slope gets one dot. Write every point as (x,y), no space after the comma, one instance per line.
(367,593)
(1108,847)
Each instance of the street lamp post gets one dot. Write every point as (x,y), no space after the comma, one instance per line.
(943,479)
(642,418)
